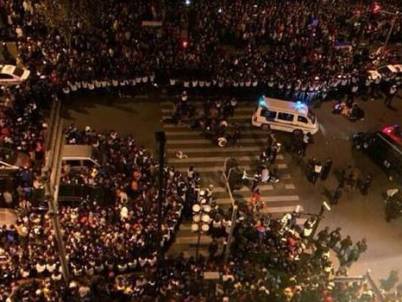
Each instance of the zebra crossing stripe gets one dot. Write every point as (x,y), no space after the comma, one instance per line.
(235,117)
(189,132)
(197,141)
(280,210)
(219,168)
(265,199)
(281,198)
(301,221)
(290,186)
(193,239)
(216,149)
(170,109)
(187,227)
(263,188)
(184,126)
(217,159)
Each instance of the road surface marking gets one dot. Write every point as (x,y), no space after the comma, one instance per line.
(278,210)
(197,141)
(216,149)
(263,188)
(290,186)
(265,199)
(197,132)
(322,129)
(235,117)
(219,168)
(169,108)
(193,239)
(217,159)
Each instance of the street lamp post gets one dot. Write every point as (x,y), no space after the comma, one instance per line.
(201,220)
(234,207)
(324,207)
(395,16)
(160,138)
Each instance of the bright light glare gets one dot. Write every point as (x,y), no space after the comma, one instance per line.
(261,101)
(299,105)
(188,2)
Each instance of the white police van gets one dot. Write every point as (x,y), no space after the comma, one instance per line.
(284,116)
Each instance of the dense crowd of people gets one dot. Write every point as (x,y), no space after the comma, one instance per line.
(226,44)
(238,44)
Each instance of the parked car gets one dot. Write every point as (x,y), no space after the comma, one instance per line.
(384,147)
(12,75)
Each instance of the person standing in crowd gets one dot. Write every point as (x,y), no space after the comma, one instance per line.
(345,245)
(365,184)
(323,236)
(389,96)
(326,169)
(316,169)
(334,238)
(337,194)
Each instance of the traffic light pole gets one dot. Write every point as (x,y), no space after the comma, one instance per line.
(160,138)
(390,30)
(234,208)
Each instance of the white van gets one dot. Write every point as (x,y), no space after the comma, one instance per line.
(284,116)
(78,157)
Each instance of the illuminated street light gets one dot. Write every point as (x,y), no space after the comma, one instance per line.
(201,219)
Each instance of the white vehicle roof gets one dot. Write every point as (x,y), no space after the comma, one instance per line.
(8,69)
(284,106)
(395,68)
(374,74)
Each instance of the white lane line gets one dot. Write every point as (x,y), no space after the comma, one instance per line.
(168,108)
(265,199)
(322,129)
(184,126)
(235,117)
(217,159)
(244,132)
(193,239)
(301,221)
(263,188)
(280,210)
(216,149)
(281,166)
(197,141)
(219,168)
(281,198)
(290,186)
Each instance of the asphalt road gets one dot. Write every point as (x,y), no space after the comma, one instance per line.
(357,215)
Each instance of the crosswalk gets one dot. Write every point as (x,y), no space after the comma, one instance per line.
(208,159)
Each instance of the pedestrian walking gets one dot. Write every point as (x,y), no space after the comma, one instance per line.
(337,194)
(307,139)
(323,236)
(213,249)
(365,184)
(317,169)
(334,238)
(345,244)
(343,176)
(326,169)
(362,245)
(390,95)
(351,179)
